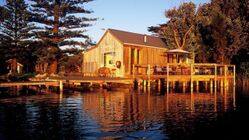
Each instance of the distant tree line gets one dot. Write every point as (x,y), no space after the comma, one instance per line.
(216,32)
(34,31)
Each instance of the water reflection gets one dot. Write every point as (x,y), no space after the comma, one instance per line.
(128,115)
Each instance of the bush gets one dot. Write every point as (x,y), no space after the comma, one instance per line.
(24,77)
(244,68)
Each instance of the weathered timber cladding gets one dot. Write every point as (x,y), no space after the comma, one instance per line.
(117,46)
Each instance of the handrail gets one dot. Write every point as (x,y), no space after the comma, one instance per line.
(185,69)
(184,64)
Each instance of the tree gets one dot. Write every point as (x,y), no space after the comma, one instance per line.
(181,30)
(15,29)
(241,59)
(59,22)
(180,26)
(221,30)
(243,10)
(215,31)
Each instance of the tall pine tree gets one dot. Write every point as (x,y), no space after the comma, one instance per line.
(59,21)
(15,29)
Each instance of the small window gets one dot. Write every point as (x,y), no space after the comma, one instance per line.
(111,62)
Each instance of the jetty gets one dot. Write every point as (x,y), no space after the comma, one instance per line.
(186,74)
(167,76)
(29,83)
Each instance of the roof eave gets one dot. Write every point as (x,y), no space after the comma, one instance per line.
(149,46)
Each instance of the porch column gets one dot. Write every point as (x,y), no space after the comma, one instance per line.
(135,55)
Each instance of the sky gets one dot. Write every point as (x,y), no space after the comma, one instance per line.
(129,15)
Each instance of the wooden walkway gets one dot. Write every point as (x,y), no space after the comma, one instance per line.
(145,74)
(184,73)
(99,80)
(29,83)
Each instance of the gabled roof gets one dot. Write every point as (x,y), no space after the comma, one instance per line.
(137,39)
(11,60)
(90,48)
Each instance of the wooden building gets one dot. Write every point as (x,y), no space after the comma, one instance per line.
(14,67)
(119,51)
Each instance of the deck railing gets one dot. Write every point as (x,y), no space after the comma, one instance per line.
(184,69)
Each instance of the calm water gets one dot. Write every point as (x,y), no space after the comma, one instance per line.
(125,115)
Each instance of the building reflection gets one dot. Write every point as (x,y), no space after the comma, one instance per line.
(120,111)
(107,114)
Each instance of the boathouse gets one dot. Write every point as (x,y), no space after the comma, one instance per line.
(146,58)
(119,51)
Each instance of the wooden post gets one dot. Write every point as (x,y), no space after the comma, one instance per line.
(234,74)
(133,71)
(184,87)
(138,84)
(225,72)
(197,86)
(211,86)
(148,83)
(167,84)
(215,100)
(191,78)
(192,102)
(234,98)
(61,86)
(101,85)
(159,85)
(148,73)
(144,83)
(215,76)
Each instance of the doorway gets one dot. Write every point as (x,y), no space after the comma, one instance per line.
(134,58)
(108,59)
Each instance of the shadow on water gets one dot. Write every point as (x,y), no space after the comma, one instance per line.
(126,115)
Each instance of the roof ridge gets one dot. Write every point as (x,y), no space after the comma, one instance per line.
(136,38)
(110,29)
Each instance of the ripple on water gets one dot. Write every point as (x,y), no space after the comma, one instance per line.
(109,115)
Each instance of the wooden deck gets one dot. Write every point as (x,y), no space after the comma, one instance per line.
(183,77)
(145,74)
(93,79)
(184,72)
(29,83)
